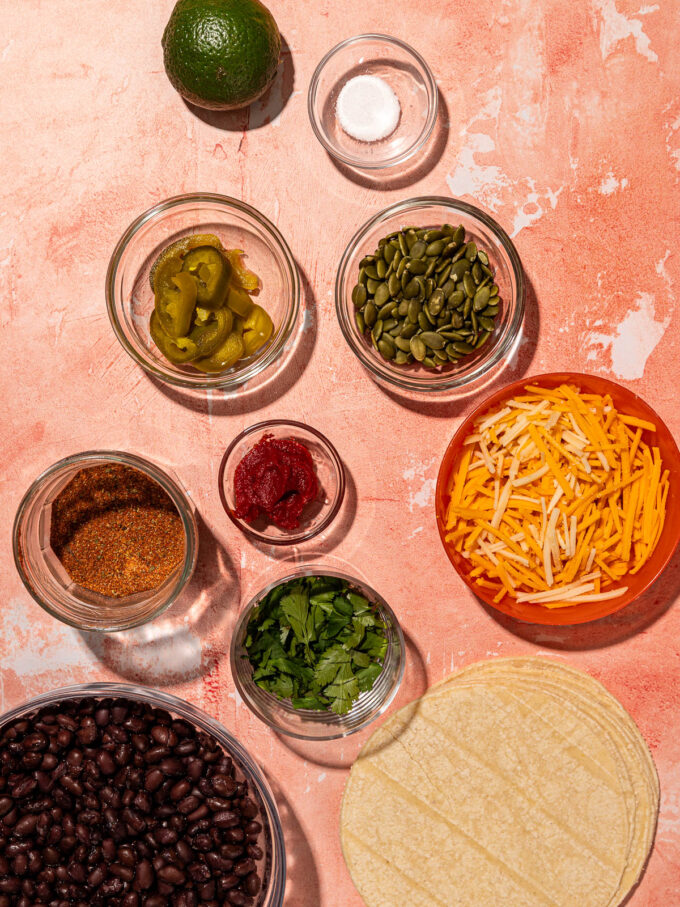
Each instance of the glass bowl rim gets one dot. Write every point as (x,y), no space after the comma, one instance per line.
(334,457)
(415,383)
(273,234)
(493,399)
(194,714)
(179,498)
(319,569)
(433,105)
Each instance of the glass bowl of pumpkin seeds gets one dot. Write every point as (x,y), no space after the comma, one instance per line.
(430,295)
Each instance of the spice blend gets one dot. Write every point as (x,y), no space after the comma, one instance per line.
(116,531)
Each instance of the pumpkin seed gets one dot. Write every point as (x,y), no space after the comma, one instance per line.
(408,330)
(477,273)
(482,339)
(436,302)
(372,285)
(459,235)
(432,340)
(402,344)
(481,299)
(403,246)
(471,251)
(403,358)
(414,308)
(412,288)
(382,294)
(483,257)
(493,291)
(361,324)
(377,330)
(435,248)
(386,348)
(491,310)
(417,266)
(469,285)
(418,348)
(381,268)
(459,268)
(394,285)
(418,249)
(423,322)
(389,252)
(359,295)
(430,362)
(370,314)
(460,346)
(486,322)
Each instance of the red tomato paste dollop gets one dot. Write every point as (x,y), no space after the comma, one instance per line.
(276,478)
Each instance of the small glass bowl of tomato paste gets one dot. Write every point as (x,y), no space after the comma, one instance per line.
(319,476)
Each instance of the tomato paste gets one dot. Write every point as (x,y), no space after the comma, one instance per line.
(276,479)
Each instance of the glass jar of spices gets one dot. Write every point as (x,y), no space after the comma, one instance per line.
(105,540)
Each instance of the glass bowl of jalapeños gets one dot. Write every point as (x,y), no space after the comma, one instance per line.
(136,262)
(366,701)
(404,74)
(176,715)
(433,283)
(328,477)
(638,581)
(131,495)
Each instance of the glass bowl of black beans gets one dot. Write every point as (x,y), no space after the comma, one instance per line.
(430,296)
(120,795)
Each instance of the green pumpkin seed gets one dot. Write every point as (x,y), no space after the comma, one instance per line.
(377,330)
(467,308)
(402,358)
(493,291)
(432,340)
(359,295)
(430,362)
(491,311)
(459,268)
(372,272)
(483,257)
(362,276)
(381,268)
(389,323)
(473,319)
(386,310)
(409,329)
(435,248)
(402,311)
(481,299)
(469,285)
(414,309)
(388,252)
(457,297)
(477,274)
(361,324)
(403,246)
(394,285)
(401,269)
(382,294)
(453,335)
(411,289)
(440,356)
(370,314)
(402,344)
(430,268)
(417,266)
(452,354)
(459,254)
(423,322)
(471,251)
(411,238)
(487,323)
(418,348)
(449,250)
(436,302)
(482,339)
(386,348)
(372,285)
(459,235)
(430,236)
(418,249)
(460,346)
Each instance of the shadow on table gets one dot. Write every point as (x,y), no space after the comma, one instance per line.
(168,650)
(612,630)
(261,112)
(325,752)
(266,388)
(302,878)
(322,544)
(450,405)
(416,168)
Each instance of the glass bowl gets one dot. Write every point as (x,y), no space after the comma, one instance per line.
(624,400)
(273,863)
(330,472)
(503,258)
(407,74)
(306,724)
(129,297)
(47,581)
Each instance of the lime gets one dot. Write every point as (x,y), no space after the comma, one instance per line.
(221,54)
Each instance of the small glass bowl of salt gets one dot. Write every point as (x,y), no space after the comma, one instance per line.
(372,102)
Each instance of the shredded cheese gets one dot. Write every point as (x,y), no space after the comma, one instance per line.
(557,497)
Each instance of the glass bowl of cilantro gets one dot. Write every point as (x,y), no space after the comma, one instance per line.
(318,654)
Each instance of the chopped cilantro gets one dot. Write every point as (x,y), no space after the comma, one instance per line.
(317,642)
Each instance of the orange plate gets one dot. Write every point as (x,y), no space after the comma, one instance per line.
(625,401)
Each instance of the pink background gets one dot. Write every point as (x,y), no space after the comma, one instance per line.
(561,119)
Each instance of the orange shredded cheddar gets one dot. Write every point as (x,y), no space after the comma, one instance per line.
(557,497)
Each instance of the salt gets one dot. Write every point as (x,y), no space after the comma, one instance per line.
(367,108)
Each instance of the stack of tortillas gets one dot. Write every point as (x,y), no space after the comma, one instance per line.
(514,782)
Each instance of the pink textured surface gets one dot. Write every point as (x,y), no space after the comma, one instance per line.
(562,119)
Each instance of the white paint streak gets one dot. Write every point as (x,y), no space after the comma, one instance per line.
(633,341)
(27,654)
(534,207)
(610,184)
(615,27)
